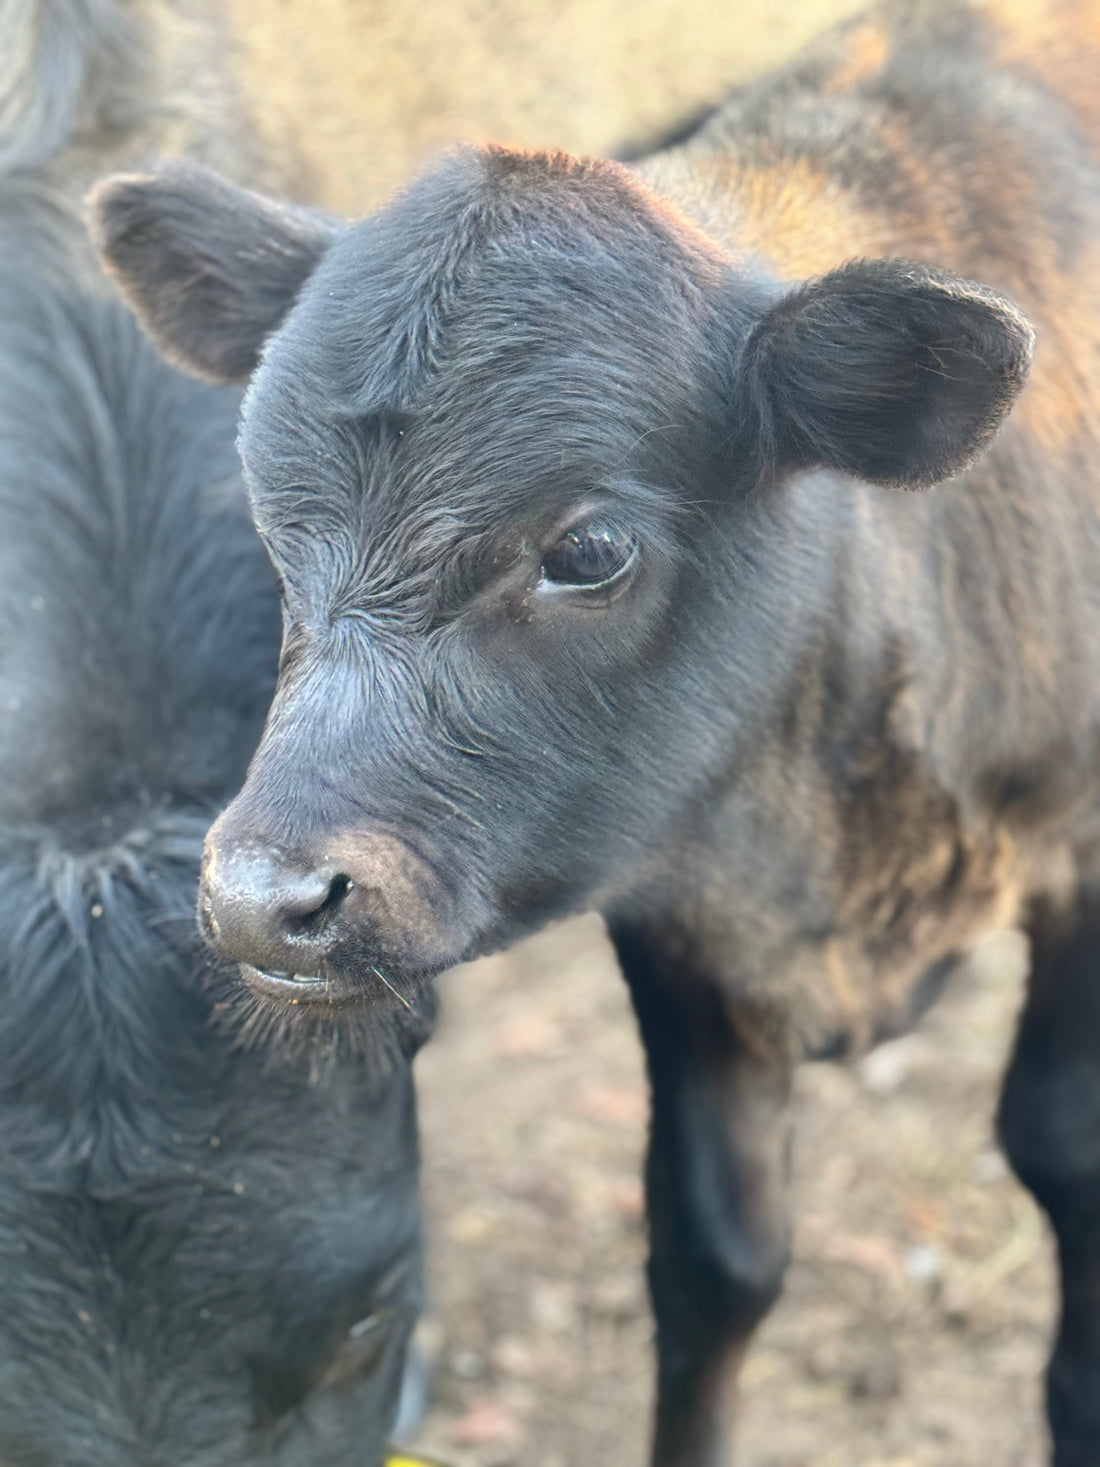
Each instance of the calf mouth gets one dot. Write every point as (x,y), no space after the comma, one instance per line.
(298,988)
(335,989)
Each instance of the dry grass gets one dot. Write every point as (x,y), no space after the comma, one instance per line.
(356,94)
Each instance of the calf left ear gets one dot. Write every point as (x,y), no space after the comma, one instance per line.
(887,370)
(209,269)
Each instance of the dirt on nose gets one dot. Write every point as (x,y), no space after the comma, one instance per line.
(398,893)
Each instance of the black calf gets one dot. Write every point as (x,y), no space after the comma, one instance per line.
(209,1255)
(576,477)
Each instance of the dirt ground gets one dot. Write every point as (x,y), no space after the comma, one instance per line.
(915,1323)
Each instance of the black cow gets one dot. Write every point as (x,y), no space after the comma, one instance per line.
(578,479)
(209,1255)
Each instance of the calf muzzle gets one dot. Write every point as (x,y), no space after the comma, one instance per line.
(273,914)
(328,923)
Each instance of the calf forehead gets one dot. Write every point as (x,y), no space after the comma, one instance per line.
(470,336)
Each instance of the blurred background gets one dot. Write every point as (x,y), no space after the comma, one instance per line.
(915,1325)
(354,95)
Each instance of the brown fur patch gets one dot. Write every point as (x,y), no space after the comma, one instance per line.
(1056,408)
(398,890)
(1056,42)
(802,220)
(868,51)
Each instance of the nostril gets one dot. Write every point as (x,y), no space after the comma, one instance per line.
(300,921)
(261,906)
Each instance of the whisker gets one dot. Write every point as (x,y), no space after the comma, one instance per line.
(399,996)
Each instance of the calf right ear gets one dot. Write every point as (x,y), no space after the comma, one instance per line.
(209,269)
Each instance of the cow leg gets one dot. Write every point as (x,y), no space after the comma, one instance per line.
(1050,1128)
(716,1180)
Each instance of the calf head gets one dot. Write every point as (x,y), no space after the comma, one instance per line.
(520,447)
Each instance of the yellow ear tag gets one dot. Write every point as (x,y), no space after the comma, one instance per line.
(404,1461)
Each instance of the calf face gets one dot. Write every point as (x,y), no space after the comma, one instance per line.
(517,452)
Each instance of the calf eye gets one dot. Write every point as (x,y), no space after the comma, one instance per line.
(590,555)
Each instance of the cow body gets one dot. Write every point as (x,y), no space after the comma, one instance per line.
(927,757)
(579,481)
(209,1254)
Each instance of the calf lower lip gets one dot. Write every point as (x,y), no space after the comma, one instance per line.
(291,988)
